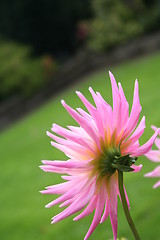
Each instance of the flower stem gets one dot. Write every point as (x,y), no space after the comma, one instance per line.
(125,206)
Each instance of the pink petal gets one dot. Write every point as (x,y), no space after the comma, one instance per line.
(113,208)
(88,210)
(77,205)
(104,110)
(59,188)
(130,149)
(106,210)
(83,155)
(124,107)
(74,146)
(63,170)
(93,111)
(68,194)
(153,155)
(157,142)
(138,132)
(146,147)
(116,104)
(137,168)
(73,137)
(98,212)
(86,125)
(66,164)
(154,173)
(135,112)
(154,128)
(157,185)
(127,199)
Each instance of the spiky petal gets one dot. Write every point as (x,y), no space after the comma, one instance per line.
(154,156)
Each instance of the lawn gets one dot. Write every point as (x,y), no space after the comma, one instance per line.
(25,144)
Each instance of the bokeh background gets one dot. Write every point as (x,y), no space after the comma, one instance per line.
(49,49)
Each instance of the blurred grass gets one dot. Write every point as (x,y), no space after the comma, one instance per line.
(22,147)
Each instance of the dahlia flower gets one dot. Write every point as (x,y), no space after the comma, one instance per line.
(105,143)
(154,155)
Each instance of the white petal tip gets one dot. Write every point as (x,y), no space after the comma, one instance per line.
(90,90)
(78,93)
(62,102)
(44,162)
(47,206)
(53,221)
(148,175)
(154,127)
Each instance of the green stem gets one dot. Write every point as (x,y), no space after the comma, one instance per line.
(125,206)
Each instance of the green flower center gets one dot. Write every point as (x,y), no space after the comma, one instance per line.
(111,160)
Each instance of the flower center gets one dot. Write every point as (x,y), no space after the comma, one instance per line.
(111,160)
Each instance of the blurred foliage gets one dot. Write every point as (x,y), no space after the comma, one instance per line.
(48,26)
(19,73)
(117,22)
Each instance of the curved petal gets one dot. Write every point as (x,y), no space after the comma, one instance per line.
(113,207)
(124,107)
(137,168)
(157,185)
(157,142)
(116,104)
(153,155)
(154,173)
(98,212)
(147,146)
(135,112)
(83,122)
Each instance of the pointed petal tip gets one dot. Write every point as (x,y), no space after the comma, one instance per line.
(47,133)
(45,162)
(90,89)
(42,168)
(154,127)
(119,84)
(63,102)
(52,143)
(47,206)
(53,220)
(147,175)
(156,185)
(137,168)
(78,93)
(157,131)
(110,73)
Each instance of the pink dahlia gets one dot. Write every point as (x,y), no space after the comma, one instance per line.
(154,155)
(105,142)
